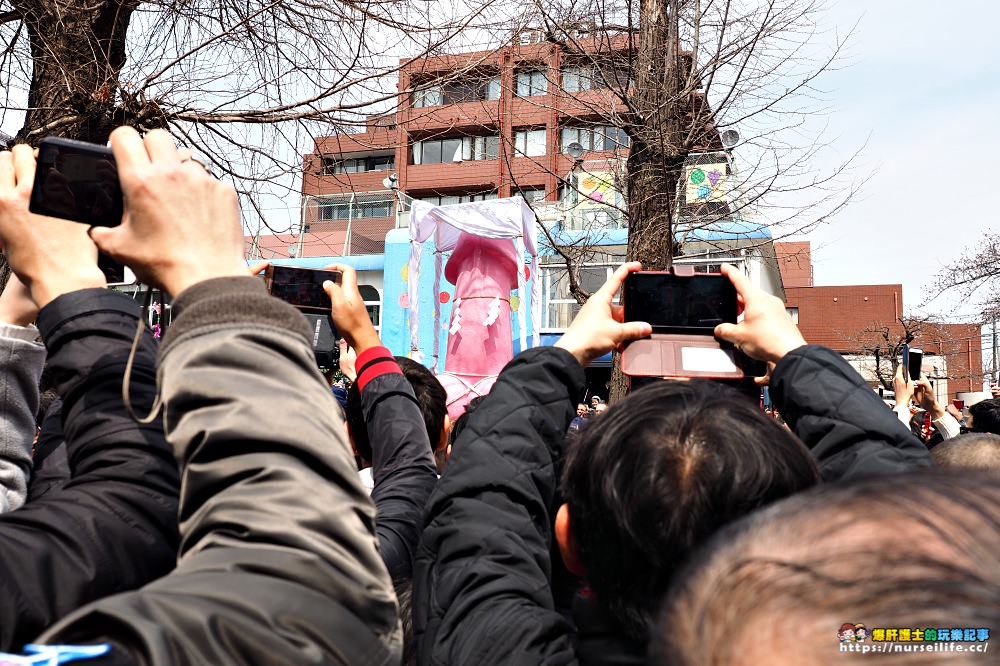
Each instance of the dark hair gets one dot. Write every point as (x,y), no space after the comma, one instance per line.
(661,471)
(975,449)
(430,395)
(905,549)
(986,416)
(459,425)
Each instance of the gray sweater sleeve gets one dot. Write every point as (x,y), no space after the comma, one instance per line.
(21,361)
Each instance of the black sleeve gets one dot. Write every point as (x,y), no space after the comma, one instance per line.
(481,580)
(113,525)
(403,469)
(840,418)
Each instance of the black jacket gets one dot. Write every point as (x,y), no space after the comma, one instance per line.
(482,574)
(113,525)
(403,468)
(841,419)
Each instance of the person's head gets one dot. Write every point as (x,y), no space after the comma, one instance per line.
(582,409)
(600,408)
(430,396)
(433,400)
(897,551)
(459,425)
(980,450)
(984,416)
(656,475)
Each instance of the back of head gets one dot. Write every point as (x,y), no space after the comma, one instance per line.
(986,416)
(431,396)
(661,471)
(459,425)
(976,450)
(918,552)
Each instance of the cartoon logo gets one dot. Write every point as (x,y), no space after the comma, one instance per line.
(860,632)
(847,633)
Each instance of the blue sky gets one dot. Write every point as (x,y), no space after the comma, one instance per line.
(922,87)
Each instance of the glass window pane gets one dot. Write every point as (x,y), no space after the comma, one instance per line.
(431,152)
(450,149)
(492,148)
(535,143)
(571,79)
(523,84)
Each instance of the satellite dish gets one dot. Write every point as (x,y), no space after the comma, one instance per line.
(574,150)
(390,182)
(730,138)
(293,250)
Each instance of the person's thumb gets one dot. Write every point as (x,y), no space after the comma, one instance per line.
(726,332)
(105,238)
(634,330)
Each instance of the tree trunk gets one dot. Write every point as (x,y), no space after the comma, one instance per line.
(78,50)
(656,154)
(77,53)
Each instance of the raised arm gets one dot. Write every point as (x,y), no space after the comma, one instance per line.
(481,584)
(278,559)
(402,466)
(21,361)
(113,526)
(821,397)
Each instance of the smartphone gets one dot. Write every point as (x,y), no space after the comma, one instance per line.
(301,287)
(673,303)
(683,308)
(914,362)
(77,181)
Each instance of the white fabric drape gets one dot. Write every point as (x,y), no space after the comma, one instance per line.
(499,218)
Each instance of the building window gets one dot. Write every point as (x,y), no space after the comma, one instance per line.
(601,137)
(458,91)
(578,78)
(458,149)
(794,314)
(459,199)
(531,83)
(532,195)
(373,304)
(530,143)
(558,305)
(331,210)
(333,165)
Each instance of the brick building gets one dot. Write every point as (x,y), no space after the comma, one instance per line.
(478,126)
(856,319)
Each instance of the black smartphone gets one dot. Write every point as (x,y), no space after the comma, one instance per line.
(673,303)
(914,362)
(77,181)
(301,287)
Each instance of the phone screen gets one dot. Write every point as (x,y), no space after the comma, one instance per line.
(914,363)
(77,181)
(673,303)
(301,287)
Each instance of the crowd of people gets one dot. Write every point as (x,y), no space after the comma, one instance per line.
(204,499)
